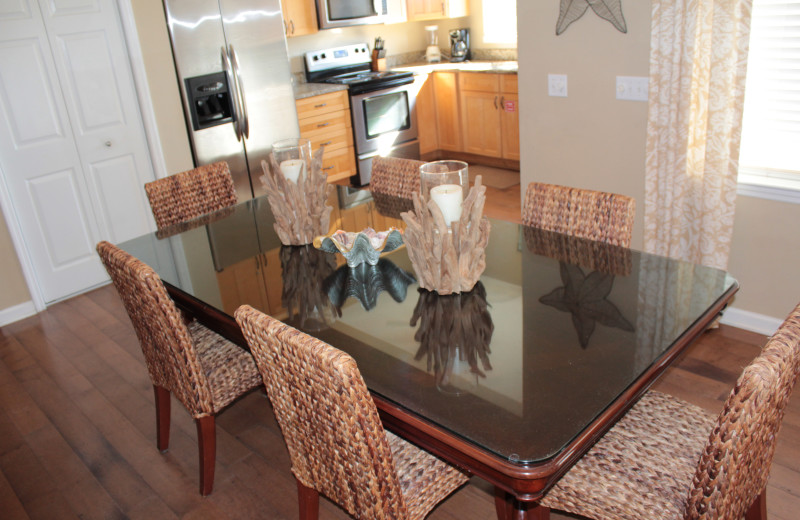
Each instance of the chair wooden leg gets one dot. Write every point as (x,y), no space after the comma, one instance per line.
(207,445)
(758,509)
(162,417)
(308,499)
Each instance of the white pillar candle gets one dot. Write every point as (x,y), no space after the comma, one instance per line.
(449,198)
(292,168)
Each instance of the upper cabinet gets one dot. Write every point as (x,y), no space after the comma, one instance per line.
(435,9)
(299,17)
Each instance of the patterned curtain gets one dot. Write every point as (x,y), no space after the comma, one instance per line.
(698,61)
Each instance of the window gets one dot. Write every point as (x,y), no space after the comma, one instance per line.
(500,21)
(769,161)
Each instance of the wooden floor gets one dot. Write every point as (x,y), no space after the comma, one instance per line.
(77,429)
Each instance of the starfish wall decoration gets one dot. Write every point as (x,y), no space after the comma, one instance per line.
(610,10)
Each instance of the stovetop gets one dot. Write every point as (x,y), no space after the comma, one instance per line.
(355,78)
(350,65)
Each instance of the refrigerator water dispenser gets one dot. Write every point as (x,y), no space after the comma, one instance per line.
(210,100)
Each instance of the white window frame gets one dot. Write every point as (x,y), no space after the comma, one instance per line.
(767,183)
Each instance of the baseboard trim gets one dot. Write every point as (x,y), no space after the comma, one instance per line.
(751,321)
(16,313)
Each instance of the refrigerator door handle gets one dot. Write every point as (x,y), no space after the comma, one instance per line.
(245,128)
(233,86)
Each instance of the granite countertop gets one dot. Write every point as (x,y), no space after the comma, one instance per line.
(304,90)
(495,67)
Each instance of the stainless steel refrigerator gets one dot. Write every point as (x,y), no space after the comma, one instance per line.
(235,81)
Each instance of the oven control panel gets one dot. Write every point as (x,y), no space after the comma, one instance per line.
(337,57)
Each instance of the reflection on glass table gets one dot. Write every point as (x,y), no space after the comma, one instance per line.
(454,333)
(365,282)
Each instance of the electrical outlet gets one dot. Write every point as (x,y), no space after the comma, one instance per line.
(632,88)
(557,85)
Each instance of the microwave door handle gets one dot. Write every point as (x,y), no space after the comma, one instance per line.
(240,90)
(226,66)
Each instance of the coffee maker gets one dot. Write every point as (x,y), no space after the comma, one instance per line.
(459,45)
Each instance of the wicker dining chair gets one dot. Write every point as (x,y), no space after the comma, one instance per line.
(192,193)
(669,459)
(596,215)
(335,439)
(205,371)
(395,176)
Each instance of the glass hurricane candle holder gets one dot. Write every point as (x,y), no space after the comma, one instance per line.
(446,183)
(293,157)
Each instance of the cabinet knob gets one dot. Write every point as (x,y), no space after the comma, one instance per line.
(321,105)
(322,125)
(495,102)
(326,143)
(108,144)
(328,168)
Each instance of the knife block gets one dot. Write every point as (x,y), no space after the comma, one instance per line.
(378,60)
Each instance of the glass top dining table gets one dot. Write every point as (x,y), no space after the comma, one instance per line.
(513,380)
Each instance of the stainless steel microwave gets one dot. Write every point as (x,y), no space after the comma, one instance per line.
(344,13)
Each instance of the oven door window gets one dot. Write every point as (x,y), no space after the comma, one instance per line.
(348,9)
(386,113)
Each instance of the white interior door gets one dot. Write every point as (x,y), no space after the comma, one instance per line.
(72,145)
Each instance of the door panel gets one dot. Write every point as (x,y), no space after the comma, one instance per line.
(114,180)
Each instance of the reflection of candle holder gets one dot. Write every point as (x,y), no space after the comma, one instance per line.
(448,258)
(454,335)
(303,268)
(365,282)
(299,208)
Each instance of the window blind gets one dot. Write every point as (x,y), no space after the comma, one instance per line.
(770,148)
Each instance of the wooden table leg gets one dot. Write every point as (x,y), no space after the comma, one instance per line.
(503,503)
(509,508)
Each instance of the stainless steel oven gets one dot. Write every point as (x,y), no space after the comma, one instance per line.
(383,118)
(382,104)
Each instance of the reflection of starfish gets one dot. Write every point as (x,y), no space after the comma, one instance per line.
(585,297)
(610,10)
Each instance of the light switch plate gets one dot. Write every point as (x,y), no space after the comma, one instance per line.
(632,88)
(557,85)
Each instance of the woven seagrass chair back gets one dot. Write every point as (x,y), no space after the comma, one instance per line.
(394,176)
(734,467)
(329,421)
(192,193)
(164,337)
(596,215)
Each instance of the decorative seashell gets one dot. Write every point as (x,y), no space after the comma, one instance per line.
(364,246)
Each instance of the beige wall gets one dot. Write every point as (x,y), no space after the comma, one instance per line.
(15,290)
(591,140)
(588,139)
(162,81)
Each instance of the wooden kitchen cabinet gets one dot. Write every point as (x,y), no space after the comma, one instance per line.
(299,17)
(489,115)
(436,9)
(427,128)
(448,129)
(325,120)
(509,116)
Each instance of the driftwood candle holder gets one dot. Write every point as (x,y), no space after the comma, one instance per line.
(300,209)
(448,260)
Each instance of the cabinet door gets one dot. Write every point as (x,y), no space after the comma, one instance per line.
(426,114)
(299,17)
(447,114)
(425,9)
(509,112)
(480,115)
